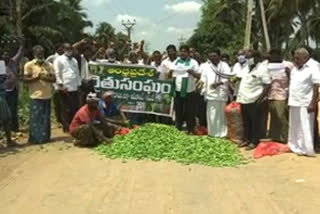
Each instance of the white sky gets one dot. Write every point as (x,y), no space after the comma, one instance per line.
(159,22)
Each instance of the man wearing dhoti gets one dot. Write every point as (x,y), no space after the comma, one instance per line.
(214,77)
(303,96)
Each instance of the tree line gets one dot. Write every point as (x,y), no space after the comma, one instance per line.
(49,22)
(291,23)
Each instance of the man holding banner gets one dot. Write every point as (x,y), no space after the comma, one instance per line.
(134,87)
(185,71)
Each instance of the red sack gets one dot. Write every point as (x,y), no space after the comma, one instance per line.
(197,131)
(234,121)
(270,149)
(204,130)
(122,131)
(200,131)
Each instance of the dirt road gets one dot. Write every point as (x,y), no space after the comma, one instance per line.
(59,178)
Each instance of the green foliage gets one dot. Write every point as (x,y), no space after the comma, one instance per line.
(44,22)
(221,27)
(291,24)
(104,33)
(24,103)
(157,142)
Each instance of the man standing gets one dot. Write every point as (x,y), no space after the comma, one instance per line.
(253,90)
(5,115)
(164,71)
(59,52)
(83,52)
(185,71)
(241,68)
(168,62)
(40,77)
(278,95)
(68,81)
(214,74)
(56,95)
(156,61)
(303,97)
(12,67)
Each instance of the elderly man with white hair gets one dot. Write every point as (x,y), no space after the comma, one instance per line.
(303,96)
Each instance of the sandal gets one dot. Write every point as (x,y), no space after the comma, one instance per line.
(251,146)
(243,144)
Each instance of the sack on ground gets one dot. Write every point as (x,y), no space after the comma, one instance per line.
(234,122)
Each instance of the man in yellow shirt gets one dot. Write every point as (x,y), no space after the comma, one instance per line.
(40,76)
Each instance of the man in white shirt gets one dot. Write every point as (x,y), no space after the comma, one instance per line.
(56,95)
(317,114)
(240,69)
(59,52)
(168,62)
(303,96)
(185,71)
(156,61)
(68,81)
(253,90)
(164,70)
(215,88)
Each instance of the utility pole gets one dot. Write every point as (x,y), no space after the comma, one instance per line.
(129,26)
(265,26)
(247,38)
(182,40)
(251,6)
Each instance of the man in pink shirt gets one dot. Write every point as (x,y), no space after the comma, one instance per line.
(278,96)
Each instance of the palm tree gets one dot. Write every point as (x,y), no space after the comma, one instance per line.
(104,33)
(314,24)
(289,18)
(44,22)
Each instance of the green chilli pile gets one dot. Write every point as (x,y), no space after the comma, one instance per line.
(160,142)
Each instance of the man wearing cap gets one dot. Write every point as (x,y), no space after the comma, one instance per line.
(89,127)
(109,109)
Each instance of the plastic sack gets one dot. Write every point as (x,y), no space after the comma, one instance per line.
(122,131)
(234,121)
(270,149)
(200,131)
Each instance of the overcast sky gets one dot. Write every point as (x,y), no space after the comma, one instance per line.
(159,22)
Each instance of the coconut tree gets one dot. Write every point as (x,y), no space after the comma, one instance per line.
(44,22)
(104,33)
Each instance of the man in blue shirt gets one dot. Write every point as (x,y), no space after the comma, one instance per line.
(109,109)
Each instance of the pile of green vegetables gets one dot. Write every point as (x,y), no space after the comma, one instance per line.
(160,142)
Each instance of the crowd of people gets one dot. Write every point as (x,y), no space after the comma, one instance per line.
(283,93)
